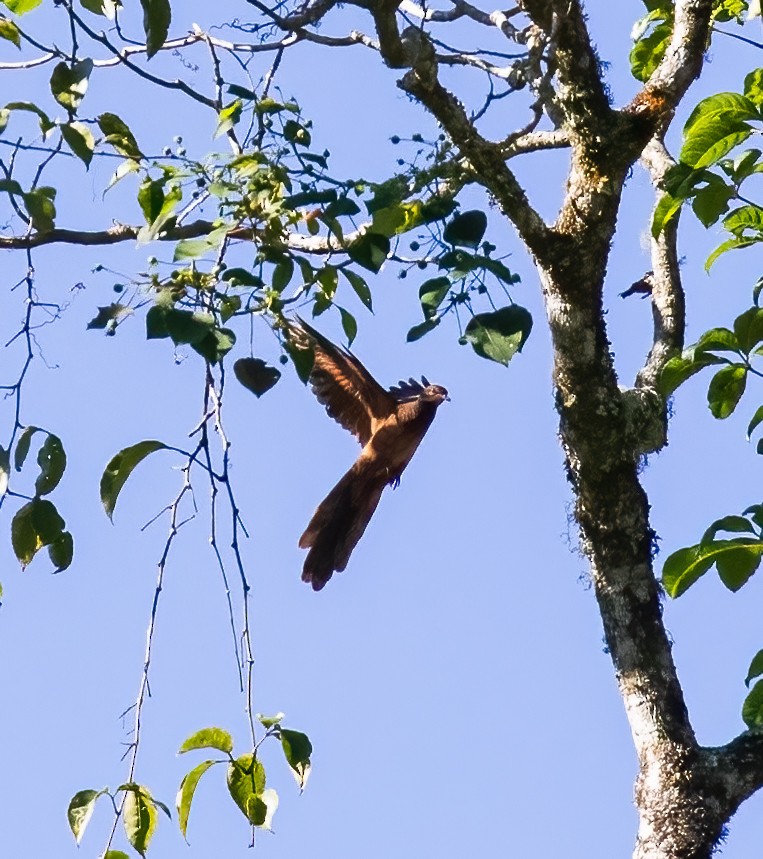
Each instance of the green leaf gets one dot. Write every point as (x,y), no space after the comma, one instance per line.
(736,565)
(157,16)
(755,669)
(61,552)
(228,117)
(748,328)
(215,345)
(432,293)
(246,782)
(297,749)
(418,331)
(195,248)
(21,7)
(186,791)
(10,32)
(117,133)
(139,817)
(736,524)
(268,722)
(466,229)
(282,274)
(649,50)
(349,325)
(45,122)
(120,468)
(712,201)
(101,7)
(757,418)
(725,390)
(115,854)
(677,370)
(208,738)
(302,358)
(683,568)
(752,709)
(499,334)
(22,446)
(229,306)
(10,186)
(370,251)
(69,83)
(360,287)
(35,525)
(730,244)
(664,212)
(387,193)
(52,461)
(41,209)
(80,811)
(109,316)
(5,470)
(716,125)
(297,133)
(716,339)
(80,140)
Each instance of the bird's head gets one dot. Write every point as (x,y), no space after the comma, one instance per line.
(434,394)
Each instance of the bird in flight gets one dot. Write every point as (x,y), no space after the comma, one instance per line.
(389,424)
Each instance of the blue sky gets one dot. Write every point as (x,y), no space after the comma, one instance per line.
(453,680)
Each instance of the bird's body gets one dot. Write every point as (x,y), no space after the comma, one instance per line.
(389,424)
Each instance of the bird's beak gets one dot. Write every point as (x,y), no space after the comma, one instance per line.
(447,399)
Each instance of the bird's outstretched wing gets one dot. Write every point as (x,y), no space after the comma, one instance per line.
(342,384)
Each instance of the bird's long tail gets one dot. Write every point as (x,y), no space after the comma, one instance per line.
(338,524)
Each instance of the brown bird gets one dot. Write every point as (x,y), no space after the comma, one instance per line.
(389,424)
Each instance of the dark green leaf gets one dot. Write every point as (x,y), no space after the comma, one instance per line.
(370,251)
(349,325)
(45,122)
(10,186)
(302,358)
(360,287)
(69,83)
(120,468)
(255,375)
(499,334)
(387,193)
(115,854)
(725,390)
(748,328)
(241,277)
(246,781)
(157,16)
(297,750)
(52,461)
(683,568)
(108,317)
(755,422)
(61,552)
(229,306)
(466,229)
(418,331)
(117,134)
(295,132)
(755,512)
(22,446)
(242,92)
(185,794)
(101,7)
(215,345)
(139,817)
(5,470)
(80,140)
(432,293)
(755,669)
(80,811)
(151,198)
(712,201)
(282,274)
(736,560)
(752,709)
(208,738)
(35,525)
